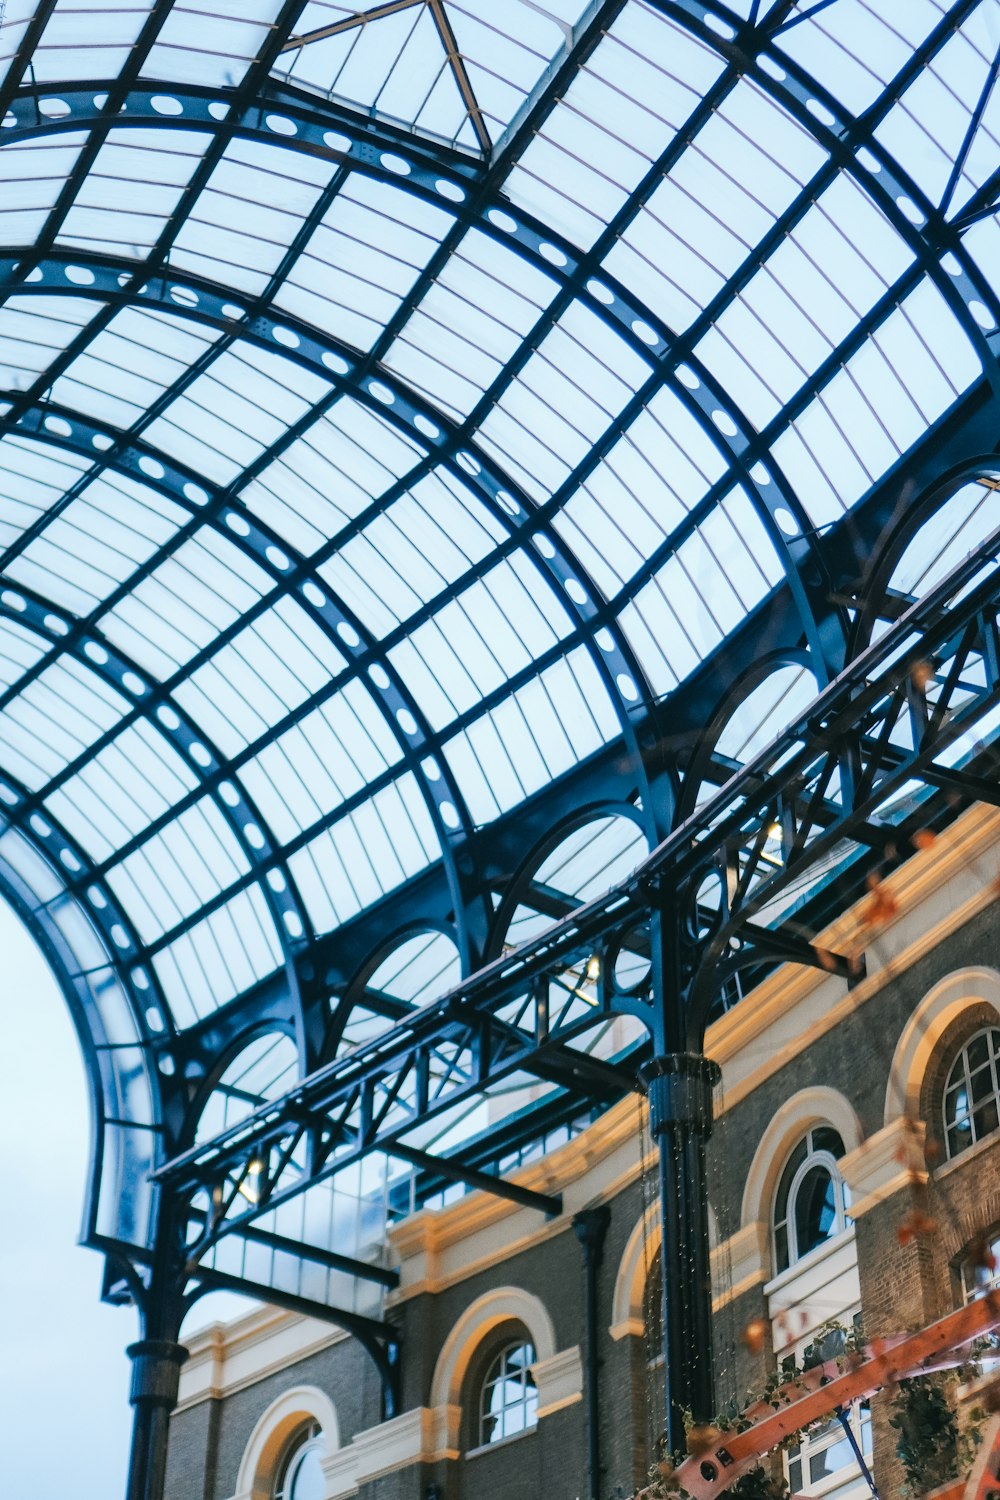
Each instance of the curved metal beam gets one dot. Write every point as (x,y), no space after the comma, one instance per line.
(119,671)
(445,443)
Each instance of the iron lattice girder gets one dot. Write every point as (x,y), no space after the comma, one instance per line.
(936,671)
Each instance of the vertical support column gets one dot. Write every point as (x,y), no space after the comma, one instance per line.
(156,1369)
(591,1225)
(679,1087)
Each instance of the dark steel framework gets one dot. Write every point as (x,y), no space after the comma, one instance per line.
(897,740)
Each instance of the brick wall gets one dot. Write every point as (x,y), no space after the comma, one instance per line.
(903,1285)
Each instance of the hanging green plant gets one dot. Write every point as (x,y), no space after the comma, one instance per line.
(758,1484)
(931,1446)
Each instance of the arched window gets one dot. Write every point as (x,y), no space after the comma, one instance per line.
(972,1094)
(300,1475)
(812,1200)
(508,1401)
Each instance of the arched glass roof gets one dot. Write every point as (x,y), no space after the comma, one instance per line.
(405,412)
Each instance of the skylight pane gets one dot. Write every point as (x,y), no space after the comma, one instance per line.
(856,46)
(85,39)
(185,602)
(366,854)
(553,722)
(256,201)
(619,113)
(55,718)
(130,364)
(926,128)
(174,872)
(477,642)
(97,542)
(324,479)
(130,192)
(804,301)
(662,466)
(269,669)
(32,175)
(33,478)
(213,47)
(33,330)
(19,650)
(331,755)
(486,299)
(563,399)
(362,259)
(704,591)
(219,957)
(244,402)
(877,406)
(742,169)
(135,779)
(405,557)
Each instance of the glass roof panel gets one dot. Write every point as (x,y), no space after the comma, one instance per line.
(267,670)
(563,399)
(459,72)
(116,795)
(804,300)
(96,542)
(365,854)
(701,592)
(32,175)
(219,957)
(129,194)
(228,416)
(33,477)
(253,205)
(176,872)
(396,64)
(362,259)
(329,756)
(855,47)
(179,609)
(742,170)
(20,648)
(328,476)
(949,535)
(35,329)
(406,556)
(479,641)
(926,129)
(639,87)
(470,323)
(658,470)
(420,969)
(552,723)
(906,375)
(129,364)
(213,47)
(55,718)
(84,38)
(17,15)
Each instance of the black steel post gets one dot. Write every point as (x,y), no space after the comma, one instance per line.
(156,1369)
(158,1354)
(679,1088)
(591,1225)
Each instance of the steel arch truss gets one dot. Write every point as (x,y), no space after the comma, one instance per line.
(876,728)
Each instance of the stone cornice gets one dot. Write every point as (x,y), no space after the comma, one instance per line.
(885,1163)
(226,1357)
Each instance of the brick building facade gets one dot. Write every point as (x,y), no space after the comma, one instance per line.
(803,1054)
